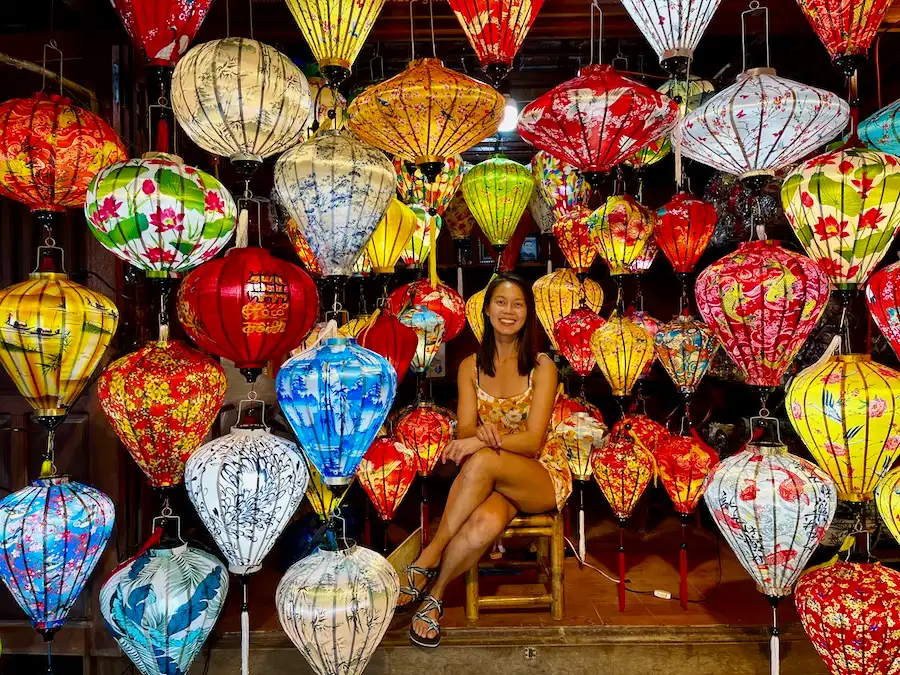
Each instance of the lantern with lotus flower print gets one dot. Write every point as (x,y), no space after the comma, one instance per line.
(683,229)
(436,196)
(573,337)
(559,184)
(440,299)
(430,328)
(574,239)
(558,294)
(622,349)
(386,473)
(620,229)
(419,245)
(685,347)
(391,237)
(882,130)
(883,300)
(396,342)
(162,30)
(497,191)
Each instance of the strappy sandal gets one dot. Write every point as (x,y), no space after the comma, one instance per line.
(430,603)
(412,591)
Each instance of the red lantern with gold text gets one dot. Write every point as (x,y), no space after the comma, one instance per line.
(574,239)
(684,228)
(573,336)
(386,473)
(440,299)
(846,27)
(162,30)
(393,340)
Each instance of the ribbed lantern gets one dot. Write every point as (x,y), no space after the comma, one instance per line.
(337,189)
(419,245)
(843,208)
(762,302)
(426,114)
(414,188)
(497,191)
(162,401)
(685,347)
(887,499)
(657,151)
(336,396)
(557,294)
(440,299)
(883,300)
(160,215)
(475,312)
(690,93)
(390,237)
(393,340)
(574,238)
(846,411)
(541,213)
(162,30)
(846,27)
(241,99)
(573,335)
(426,430)
(430,328)
(622,349)
(50,151)
(645,259)
(301,248)
(320,497)
(597,120)
(761,123)
(882,130)
(459,219)
(620,229)
(336,606)
(354,326)
(683,229)
(673,29)
(566,405)
(386,473)
(54,532)
(652,326)
(559,184)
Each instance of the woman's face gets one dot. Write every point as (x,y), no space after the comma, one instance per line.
(507,311)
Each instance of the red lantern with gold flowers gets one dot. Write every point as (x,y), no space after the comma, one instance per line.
(386,473)
(574,239)
(440,299)
(684,228)
(573,336)
(566,406)
(846,27)
(393,340)
(426,430)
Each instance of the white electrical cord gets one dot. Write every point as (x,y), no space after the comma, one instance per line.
(662,595)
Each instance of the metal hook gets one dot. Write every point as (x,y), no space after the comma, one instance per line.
(252,398)
(596,5)
(620,57)
(50,245)
(752,9)
(167,514)
(376,57)
(52,45)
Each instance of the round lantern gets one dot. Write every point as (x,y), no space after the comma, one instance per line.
(620,229)
(240,99)
(50,151)
(683,229)
(386,473)
(390,237)
(761,123)
(846,412)
(419,245)
(843,208)
(597,120)
(846,29)
(161,30)
(161,606)
(574,238)
(426,114)
(440,299)
(762,302)
(426,430)
(851,613)
(685,347)
(337,189)
(883,300)
(673,29)
(336,396)
(429,327)
(689,93)
(55,333)
(162,401)
(329,109)
(887,499)
(657,151)
(558,184)
(54,532)
(541,213)
(556,295)
(358,587)
(436,196)
(573,337)
(158,214)
(497,191)
(622,349)
(391,339)
(882,130)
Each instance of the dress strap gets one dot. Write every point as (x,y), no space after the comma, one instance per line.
(477,371)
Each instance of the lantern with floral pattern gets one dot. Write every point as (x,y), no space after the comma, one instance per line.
(574,239)
(386,472)
(414,188)
(883,300)
(846,28)
(887,499)
(430,328)
(622,349)
(882,130)
(162,30)
(683,229)
(657,151)
(620,229)
(475,312)
(573,335)
(652,326)
(301,248)
(419,245)
(541,213)
(673,29)
(459,219)
(440,299)
(559,184)
(685,347)
(497,191)
(426,430)
(644,261)
(556,295)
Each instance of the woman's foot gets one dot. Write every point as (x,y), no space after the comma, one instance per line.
(425,631)
(418,579)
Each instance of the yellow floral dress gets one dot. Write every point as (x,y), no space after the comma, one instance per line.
(511,415)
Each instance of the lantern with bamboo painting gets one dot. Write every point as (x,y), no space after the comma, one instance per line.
(390,237)
(418,246)
(558,184)
(429,327)
(395,341)
(573,335)
(620,229)
(436,196)
(439,298)
(497,191)
(386,472)
(684,228)
(556,295)
(685,347)
(622,349)
(574,239)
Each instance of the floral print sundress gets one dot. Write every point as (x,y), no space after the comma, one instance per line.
(511,415)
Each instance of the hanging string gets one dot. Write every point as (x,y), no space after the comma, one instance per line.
(412,33)
(227,18)
(595,5)
(431,18)
(251,18)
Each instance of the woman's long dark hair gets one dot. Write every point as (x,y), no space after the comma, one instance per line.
(525,341)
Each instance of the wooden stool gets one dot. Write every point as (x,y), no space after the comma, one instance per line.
(548,529)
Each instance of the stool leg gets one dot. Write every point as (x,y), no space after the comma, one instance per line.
(543,559)
(557,557)
(471,581)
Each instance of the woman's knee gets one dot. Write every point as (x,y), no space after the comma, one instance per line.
(480,463)
(485,525)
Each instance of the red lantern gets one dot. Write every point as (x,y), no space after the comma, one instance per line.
(50,151)
(386,473)
(573,335)
(248,307)
(426,430)
(574,239)
(390,338)
(597,120)
(883,299)
(846,27)
(762,302)
(441,300)
(683,230)
(649,433)
(162,30)
(566,406)
(301,248)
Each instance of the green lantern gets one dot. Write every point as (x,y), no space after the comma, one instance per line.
(497,192)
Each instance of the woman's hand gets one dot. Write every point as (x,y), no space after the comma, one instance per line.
(489,434)
(456,451)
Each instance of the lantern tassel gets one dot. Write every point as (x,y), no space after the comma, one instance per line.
(582,544)
(459,280)
(621,567)
(245,629)
(683,564)
(774,646)
(432,255)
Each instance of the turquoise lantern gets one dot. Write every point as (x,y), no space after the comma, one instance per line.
(882,130)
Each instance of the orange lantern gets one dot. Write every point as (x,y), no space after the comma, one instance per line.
(426,430)
(386,473)
(556,295)
(440,299)
(574,239)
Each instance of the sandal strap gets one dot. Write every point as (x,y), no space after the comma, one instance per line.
(410,589)
(430,603)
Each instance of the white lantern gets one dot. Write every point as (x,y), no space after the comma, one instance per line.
(335,606)
(672,27)
(429,327)
(337,189)
(761,123)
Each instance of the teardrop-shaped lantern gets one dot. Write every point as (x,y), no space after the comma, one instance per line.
(845,410)
(386,473)
(497,191)
(354,326)
(419,245)
(887,499)
(161,606)
(683,463)
(622,349)
(541,213)
(573,337)
(882,130)
(436,196)
(440,299)
(162,30)
(336,396)
(843,208)
(574,238)
(241,99)
(684,228)
(337,189)
(162,401)
(581,434)
(652,326)
(673,28)
(54,532)
(846,28)
(620,229)
(429,327)
(426,430)
(160,215)
(458,218)
(426,114)
(559,184)
(761,123)
(358,587)
(475,313)
(883,300)
(685,347)
(556,295)
(762,302)
(390,237)
(393,340)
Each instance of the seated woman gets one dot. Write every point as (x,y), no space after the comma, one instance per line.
(506,397)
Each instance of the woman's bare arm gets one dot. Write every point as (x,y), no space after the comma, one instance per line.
(530,441)
(467,408)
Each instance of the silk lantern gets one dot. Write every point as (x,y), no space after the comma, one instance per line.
(887,499)
(622,349)
(436,196)
(683,229)
(846,28)
(161,606)
(760,124)
(690,92)
(643,262)
(652,326)
(882,129)
(596,120)
(336,396)
(396,342)
(475,312)
(426,114)
(360,589)
(440,299)
(426,430)
(845,410)
(620,229)
(329,109)
(162,401)
(883,300)
(386,473)
(50,151)
(573,336)
(673,29)
(240,99)
(566,405)
(390,237)
(653,153)
(354,326)
(843,208)
(54,336)
(159,215)
(559,184)
(337,189)
(541,213)
(459,219)
(556,295)
(161,30)
(497,191)
(53,532)
(574,239)
(685,347)
(301,248)
(323,501)
(429,327)
(762,302)
(419,245)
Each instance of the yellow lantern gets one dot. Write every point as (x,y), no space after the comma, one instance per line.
(557,294)
(622,349)
(354,326)
(54,334)
(846,412)
(329,107)
(620,229)
(335,31)
(887,499)
(419,245)
(391,237)
(323,500)
(497,192)
(426,114)
(475,312)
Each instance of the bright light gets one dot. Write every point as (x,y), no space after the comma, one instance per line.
(510,116)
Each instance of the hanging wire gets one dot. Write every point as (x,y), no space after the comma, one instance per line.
(431,18)
(412,32)
(754,7)
(51,45)
(595,5)
(250,2)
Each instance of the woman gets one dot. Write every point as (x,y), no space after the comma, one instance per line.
(506,397)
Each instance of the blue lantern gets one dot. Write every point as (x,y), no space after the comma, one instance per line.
(162,605)
(882,130)
(336,396)
(53,533)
